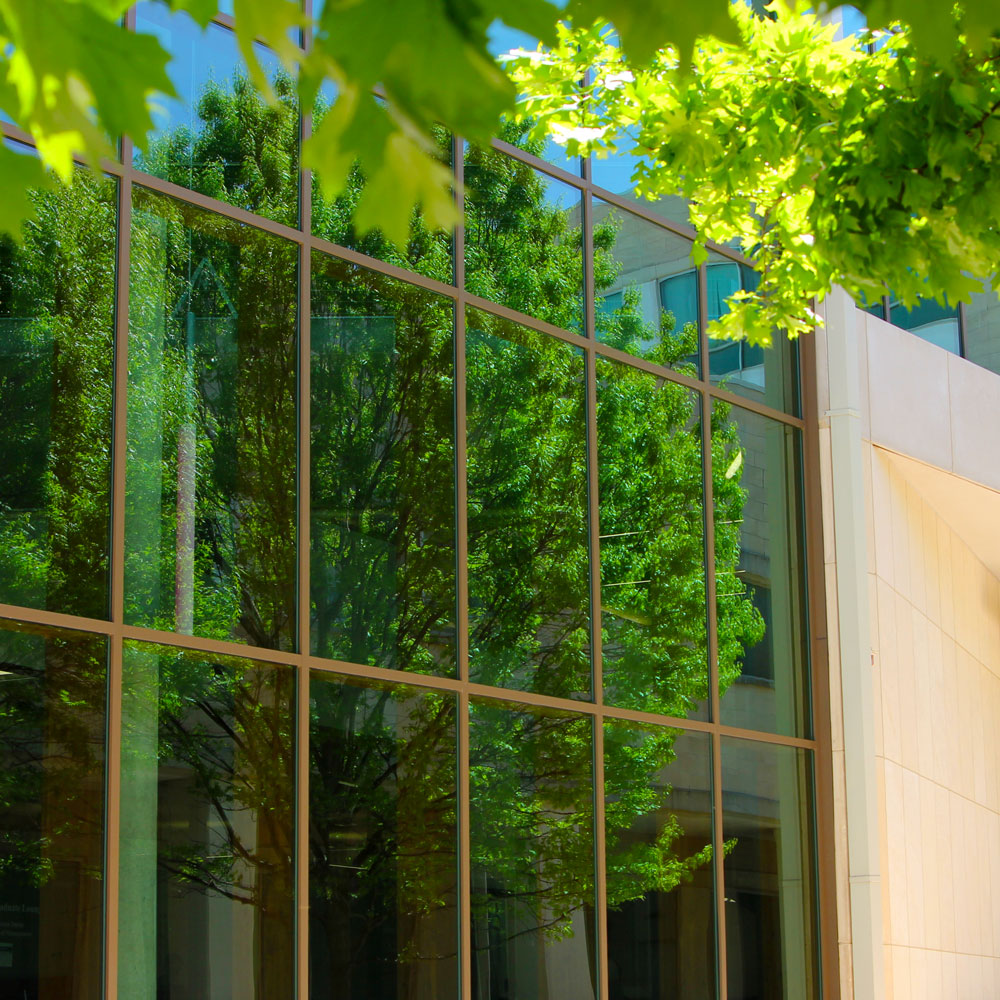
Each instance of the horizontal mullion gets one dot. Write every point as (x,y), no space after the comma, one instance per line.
(751,404)
(559,173)
(17,134)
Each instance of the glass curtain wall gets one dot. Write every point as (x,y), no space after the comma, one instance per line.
(376,633)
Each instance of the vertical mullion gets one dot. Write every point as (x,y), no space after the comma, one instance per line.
(703,330)
(302,716)
(462,589)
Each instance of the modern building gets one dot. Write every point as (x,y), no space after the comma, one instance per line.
(459,620)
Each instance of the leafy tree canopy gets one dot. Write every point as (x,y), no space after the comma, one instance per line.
(802,148)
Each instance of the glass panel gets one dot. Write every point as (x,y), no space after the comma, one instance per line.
(656,314)
(523,244)
(52,723)
(428,252)
(529,584)
(765,375)
(532,842)
(760,567)
(218,136)
(210,505)
(206,903)
(930,321)
(770,871)
(982,329)
(651,488)
(383,471)
(57,323)
(661,889)
(383,865)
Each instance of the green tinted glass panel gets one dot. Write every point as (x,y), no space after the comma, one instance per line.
(383,471)
(651,486)
(218,136)
(770,871)
(646,266)
(210,505)
(660,888)
(57,310)
(52,725)
(532,842)
(383,867)
(523,238)
(207,876)
(760,572)
(529,604)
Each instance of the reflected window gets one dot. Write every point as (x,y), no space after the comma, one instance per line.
(383,867)
(383,471)
(207,877)
(210,505)
(929,320)
(529,578)
(532,842)
(52,725)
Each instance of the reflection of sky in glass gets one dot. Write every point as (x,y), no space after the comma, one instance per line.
(196,58)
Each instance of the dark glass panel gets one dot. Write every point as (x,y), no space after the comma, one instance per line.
(52,724)
(532,842)
(930,321)
(648,289)
(57,322)
(764,374)
(210,505)
(651,487)
(428,251)
(383,471)
(760,572)
(218,136)
(383,866)
(981,333)
(770,871)
(206,906)
(529,606)
(523,244)
(661,889)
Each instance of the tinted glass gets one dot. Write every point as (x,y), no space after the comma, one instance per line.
(218,136)
(207,812)
(929,320)
(57,314)
(210,506)
(767,825)
(529,606)
(523,244)
(383,471)
(764,374)
(647,288)
(651,485)
(52,724)
(661,890)
(532,842)
(382,859)
(981,334)
(760,582)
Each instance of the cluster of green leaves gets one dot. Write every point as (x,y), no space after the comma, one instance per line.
(825,162)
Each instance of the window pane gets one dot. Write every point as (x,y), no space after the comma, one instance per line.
(207,876)
(52,723)
(383,471)
(532,842)
(218,136)
(383,866)
(523,239)
(651,487)
(529,606)
(661,889)
(930,321)
(767,822)
(636,259)
(428,252)
(760,565)
(210,506)
(57,309)
(767,375)
(982,329)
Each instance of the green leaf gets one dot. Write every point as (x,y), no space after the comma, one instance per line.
(22,172)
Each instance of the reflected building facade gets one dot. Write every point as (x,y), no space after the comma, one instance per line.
(410,623)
